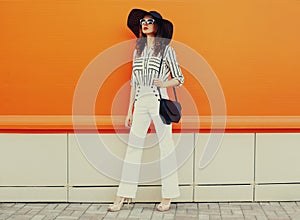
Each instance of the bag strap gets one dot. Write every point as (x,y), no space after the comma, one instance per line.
(175,95)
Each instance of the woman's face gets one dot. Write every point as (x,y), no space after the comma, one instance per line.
(148,26)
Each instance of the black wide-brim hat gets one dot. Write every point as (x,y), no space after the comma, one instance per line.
(133,22)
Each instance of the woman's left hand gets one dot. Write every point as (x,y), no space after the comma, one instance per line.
(159,83)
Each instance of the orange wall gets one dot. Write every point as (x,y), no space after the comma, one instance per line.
(252,46)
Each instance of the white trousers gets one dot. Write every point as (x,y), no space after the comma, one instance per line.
(146,109)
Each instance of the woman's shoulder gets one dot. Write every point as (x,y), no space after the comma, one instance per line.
(168,47)
(169,50)
(134,52)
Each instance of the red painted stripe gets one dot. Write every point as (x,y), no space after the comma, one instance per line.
(111,131)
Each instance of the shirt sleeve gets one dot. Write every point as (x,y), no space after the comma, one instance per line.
(172,63)
(133,80)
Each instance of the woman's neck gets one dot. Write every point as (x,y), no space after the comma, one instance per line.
(150,41)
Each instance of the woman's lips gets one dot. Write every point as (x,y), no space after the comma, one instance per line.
(145,28)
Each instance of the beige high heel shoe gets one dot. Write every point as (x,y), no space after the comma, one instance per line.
(117,206)
(163,207)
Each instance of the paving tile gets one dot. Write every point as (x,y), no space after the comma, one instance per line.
(232,217)
(250,218)
(262,217)
(216,205)
(66,217)
(4,215)
(77,207)
(7,204)
(50,217)
(136,212)
(215,217)
(228,217)
(257,212)
(184,217)
(157,215)
(270,214)
(50,212)
(191,212)
(203,217)
(38,217)
(19,205)
(146,214)
(97,209)
(123,214)
(296,215)
(91,216)
(111,214)
(20,217)
(62,206)
(77,213)
(169,216)
(66,212)
(146,211)
(273,208)
(22,211)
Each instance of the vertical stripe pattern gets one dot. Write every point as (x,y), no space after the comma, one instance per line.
(145,68)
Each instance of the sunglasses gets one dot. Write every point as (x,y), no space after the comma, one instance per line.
(148,21)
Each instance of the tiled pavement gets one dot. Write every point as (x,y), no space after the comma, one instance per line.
(189,211)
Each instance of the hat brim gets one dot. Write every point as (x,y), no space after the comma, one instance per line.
(133,22)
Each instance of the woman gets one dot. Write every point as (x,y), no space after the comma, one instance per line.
(153,36)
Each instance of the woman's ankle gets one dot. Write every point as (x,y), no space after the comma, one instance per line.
(166,200)
(118,199)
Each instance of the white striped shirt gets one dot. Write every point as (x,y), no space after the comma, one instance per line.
(145,69)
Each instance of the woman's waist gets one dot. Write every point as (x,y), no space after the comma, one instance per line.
(150,90)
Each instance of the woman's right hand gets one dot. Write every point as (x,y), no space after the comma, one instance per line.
(128,120)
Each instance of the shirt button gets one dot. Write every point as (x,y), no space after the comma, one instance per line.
(155,94)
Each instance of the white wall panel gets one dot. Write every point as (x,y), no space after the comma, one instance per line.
(107,194)
(33,194)
(37,161)
(223,193)
(277,192)
(33,159)
(278,158)
(84,172)
(232,164)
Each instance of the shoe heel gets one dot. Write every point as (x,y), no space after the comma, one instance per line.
(116,207)
(129,200)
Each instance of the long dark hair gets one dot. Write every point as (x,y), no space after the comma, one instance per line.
(159,44)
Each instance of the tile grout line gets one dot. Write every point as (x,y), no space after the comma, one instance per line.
(254,168)
(194,161)
(194,173)
(68,168)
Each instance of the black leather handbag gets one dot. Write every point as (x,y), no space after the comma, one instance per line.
(169,111)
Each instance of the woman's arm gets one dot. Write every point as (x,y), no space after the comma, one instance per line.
(170,83)
(131,100)
(172,62)
(177,77)
(128,120)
